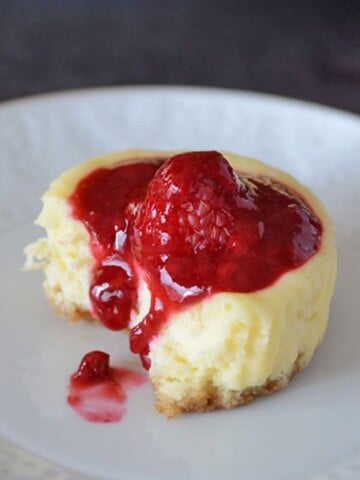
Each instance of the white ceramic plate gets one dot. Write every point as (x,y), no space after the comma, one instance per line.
(309,430)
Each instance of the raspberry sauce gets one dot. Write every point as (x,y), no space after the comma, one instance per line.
(106,201)
(192,227)
(98,392)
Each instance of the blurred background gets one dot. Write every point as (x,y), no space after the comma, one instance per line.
(303,49)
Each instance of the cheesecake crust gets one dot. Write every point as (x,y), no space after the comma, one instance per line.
(214,398)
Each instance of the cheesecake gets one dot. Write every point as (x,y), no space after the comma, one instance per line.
(220,268)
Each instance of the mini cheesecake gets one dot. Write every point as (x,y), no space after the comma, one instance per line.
(221,268)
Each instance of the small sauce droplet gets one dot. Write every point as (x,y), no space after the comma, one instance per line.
(98,392)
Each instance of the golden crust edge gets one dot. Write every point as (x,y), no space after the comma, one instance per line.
(215,399)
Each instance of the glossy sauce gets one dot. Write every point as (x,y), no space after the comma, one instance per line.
(195,230)
(106,201)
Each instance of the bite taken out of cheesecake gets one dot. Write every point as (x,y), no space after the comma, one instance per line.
(221,267)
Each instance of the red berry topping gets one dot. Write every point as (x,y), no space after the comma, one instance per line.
(202,226)
(106,201)
(193,227)
(191,197)
(103,199)
(94,366)
(98,392)
(113,293)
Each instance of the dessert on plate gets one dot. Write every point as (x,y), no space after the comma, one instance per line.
(221,268)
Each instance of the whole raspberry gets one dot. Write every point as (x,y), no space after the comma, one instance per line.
(189,214)
(188,206)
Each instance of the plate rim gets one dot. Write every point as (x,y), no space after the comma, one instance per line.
(313,107)
(183,89)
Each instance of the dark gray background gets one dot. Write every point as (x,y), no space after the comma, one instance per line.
(304,49)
